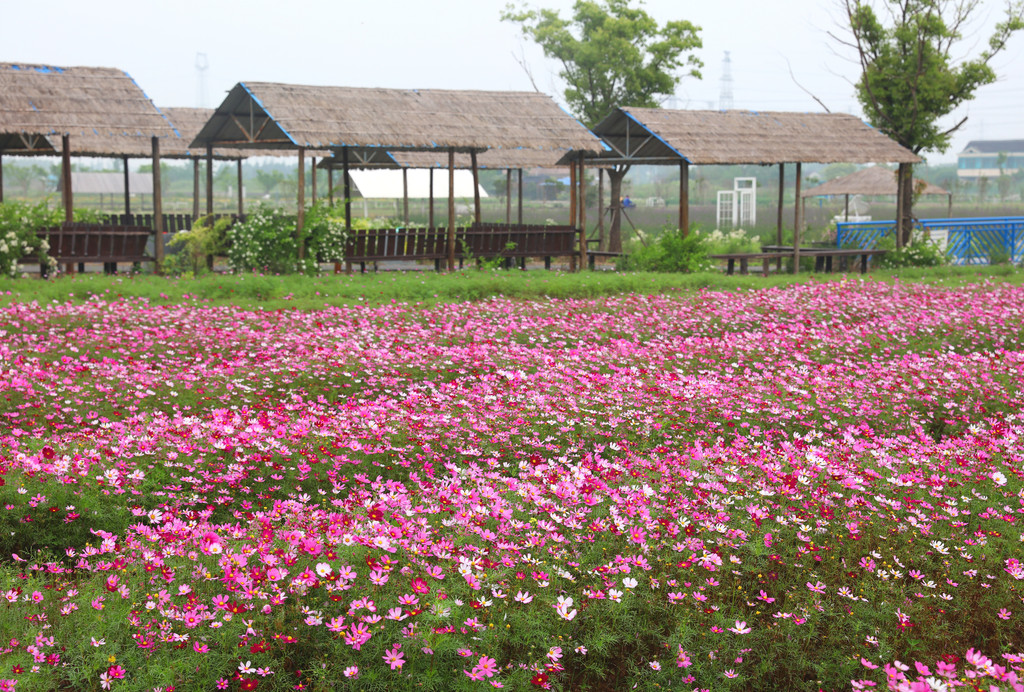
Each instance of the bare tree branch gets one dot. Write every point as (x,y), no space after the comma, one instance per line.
(804,89)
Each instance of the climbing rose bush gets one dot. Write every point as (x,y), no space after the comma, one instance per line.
(817,487)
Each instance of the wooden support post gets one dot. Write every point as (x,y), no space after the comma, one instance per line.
(65,172)
(451,209)
(797,222)
(778,226)
(600,210)
(67,196)
(583,216)
(520,195)
(949,207)
(209,179)
(430,200)
(330,185)
(346,190)
(1,177)
(405,196)
(195,189)
(312,175)
(127,187)
(899,207)
(476,186)
(508,196)
(846,207)
(300,215)
(684,197)
(158,209)
(241,190)
(572,208)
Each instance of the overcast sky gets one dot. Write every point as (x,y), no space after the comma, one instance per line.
(779,50)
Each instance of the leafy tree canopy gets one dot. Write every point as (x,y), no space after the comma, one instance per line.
(911,75)
(611,54)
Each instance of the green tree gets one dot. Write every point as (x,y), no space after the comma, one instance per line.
(612,54)
(912,72)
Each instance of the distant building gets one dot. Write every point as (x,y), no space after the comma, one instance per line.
(981,158)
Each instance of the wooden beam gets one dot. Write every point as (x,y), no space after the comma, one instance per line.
(195,189)
(508,195)
(241,190)
(67,196)
(430,201)
(405,196)
(209,179)
(127,187)
(312,174)
(778,225)
(300,216)
(65,171)
(684,197)
(451,209)
(158,209)
(797,222)
(520,195)
(476,186)
(583,217)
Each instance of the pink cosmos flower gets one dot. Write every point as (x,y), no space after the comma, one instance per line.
(394,658)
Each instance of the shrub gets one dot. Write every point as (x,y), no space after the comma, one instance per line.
(18,224)
(718,243)
(265,241)
(669,252)
(208,237)
(324,231)
(919,253)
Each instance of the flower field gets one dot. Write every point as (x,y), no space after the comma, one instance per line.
(811,488)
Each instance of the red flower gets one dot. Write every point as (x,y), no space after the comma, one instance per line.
(248,683)
(539,679)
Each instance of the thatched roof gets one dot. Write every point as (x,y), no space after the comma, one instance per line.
(663,136)
(874,180)
(190,121)
(266,115)
(102,109)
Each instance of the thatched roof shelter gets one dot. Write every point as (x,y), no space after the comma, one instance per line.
(102,109)
(270,115)
(874,180)
(190,121)
(84,111)
(661,136)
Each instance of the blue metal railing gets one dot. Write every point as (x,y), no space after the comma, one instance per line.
(968,241)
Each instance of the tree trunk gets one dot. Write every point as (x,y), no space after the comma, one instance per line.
(615,176)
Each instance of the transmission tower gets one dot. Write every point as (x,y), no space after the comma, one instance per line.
(725,95)
(202,65)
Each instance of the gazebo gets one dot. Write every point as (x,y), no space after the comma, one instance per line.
(659,136)
(365,127)
(82,111)
(873,181)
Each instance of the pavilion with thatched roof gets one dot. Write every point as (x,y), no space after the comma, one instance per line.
(872,181)
(683,137)
(81,111)
(365,126)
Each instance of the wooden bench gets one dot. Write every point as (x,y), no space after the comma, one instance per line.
(824,258)
(72,243)
(485,241)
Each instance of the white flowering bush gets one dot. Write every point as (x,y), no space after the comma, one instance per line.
(266,241)
(18,239)
(718,243)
